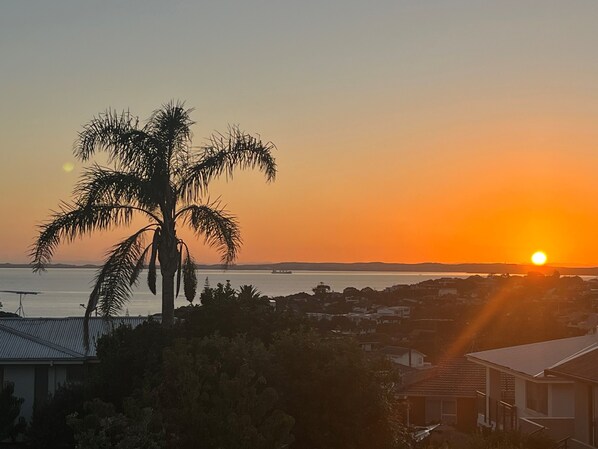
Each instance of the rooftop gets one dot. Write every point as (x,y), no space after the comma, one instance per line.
(532,359)
(54,339)
(457,377)
(582,367)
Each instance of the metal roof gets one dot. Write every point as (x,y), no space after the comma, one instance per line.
(582,367)
(532,359)
(54,339)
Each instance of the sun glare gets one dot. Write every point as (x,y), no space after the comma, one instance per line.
(68,167)
(539,258)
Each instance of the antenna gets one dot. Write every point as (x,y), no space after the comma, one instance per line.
(20,311)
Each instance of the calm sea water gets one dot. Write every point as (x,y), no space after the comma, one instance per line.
(63,290)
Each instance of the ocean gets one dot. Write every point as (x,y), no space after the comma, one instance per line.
(65,291)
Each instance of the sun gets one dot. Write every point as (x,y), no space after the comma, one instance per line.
(539,258)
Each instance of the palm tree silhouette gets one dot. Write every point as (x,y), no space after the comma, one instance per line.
(155,174)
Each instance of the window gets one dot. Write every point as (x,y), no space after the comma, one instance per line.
(536,396)
(441,411)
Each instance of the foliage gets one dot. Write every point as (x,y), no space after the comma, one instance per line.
(102,428)
(248,293)
(213,391)
(10,408)
(331,389)
(237,373)
(509,440)
(48,428)
(228,315)
(129,355)
(157,175)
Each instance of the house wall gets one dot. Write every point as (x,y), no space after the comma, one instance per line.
(417,359)
(520,396)
(23,377)
(424,411)
(561,400)
(582,420)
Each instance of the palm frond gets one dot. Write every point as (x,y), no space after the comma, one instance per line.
(151,273)
(171,126)
(189,278)
(119,135)
(219,229)
(74,221)
(112,283)
(224,154)
(179,269)
(103,185)
(139,266)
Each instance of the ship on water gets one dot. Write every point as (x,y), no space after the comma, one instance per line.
(282,272)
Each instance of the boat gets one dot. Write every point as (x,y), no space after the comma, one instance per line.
(282,272)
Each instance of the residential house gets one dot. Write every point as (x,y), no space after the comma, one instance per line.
(542,402)
(405,356)
(446,394)
(40,354)
(582,369)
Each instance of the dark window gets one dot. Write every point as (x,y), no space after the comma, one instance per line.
(536,397)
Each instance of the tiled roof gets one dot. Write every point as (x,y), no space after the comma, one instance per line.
(452,378)
(583,367)
(56,339)
(533,359)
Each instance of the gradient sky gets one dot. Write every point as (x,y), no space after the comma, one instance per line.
(407,131)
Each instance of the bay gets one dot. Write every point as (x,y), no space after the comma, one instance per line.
(65,291)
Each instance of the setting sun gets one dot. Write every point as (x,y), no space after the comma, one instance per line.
(539,258)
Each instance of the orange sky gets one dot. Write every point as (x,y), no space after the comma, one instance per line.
(453,132)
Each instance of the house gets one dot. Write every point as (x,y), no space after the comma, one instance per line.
(40,354)
(405,356)
(542,401)
(582,369)
(394,311)
(446,394)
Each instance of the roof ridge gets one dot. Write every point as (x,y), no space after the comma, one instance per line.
(579,353)
(40,341)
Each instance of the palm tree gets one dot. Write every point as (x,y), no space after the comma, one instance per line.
(249,293)
(155,174)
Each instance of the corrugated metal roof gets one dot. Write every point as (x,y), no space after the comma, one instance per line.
(60,339)
(532,359)
(582,367)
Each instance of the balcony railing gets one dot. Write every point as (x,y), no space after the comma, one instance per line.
(499,414)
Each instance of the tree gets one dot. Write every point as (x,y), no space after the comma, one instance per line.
(10,409)
(249,293)
(157,175)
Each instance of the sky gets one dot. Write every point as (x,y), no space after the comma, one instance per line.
(406,131)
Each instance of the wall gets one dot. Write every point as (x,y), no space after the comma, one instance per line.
(23,377)
(561,400)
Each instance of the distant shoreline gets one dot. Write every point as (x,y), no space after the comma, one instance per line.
(473,268)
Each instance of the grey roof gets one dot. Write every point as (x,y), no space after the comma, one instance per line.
(582,367)
(532,359)
(54,339)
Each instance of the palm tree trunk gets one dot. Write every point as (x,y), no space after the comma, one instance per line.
(168,298)
(168,256)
